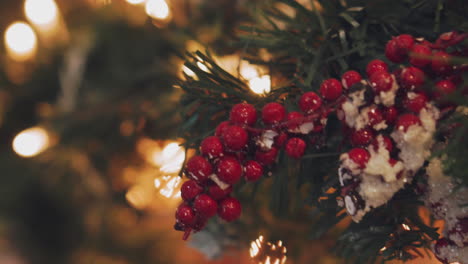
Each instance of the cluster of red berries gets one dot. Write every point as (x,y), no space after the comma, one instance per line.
(239,149)
(379,112)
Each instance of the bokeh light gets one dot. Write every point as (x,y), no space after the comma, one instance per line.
(135,2)
(20,41)
(31,142)
(41,12)
(157,9)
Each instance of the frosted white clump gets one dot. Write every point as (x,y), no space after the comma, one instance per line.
(267,139)
(351,107)
(387,98)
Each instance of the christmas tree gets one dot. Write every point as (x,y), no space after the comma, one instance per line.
(276,131)
(360,138)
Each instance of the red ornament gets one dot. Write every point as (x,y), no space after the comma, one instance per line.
(420,55)
(360,156)
(375,116)
(212,147)
(243,114)
(217,193)
(362,137)
(387,143)
(412,78)
(205,206)
(350,78)
(390,114)
(376,66)
(331,89)
(268,157)
(185,215)
(229,209)
(295,147)
(229,170)
(393,52)
(416,103)
(253,170)
(310,102)
(235,137)
(381,81)
(190,189)
(441,63)
(407,120)
(273,113)
(198,168)
(220,128)
(404,42)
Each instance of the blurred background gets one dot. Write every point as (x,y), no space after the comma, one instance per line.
(89,152)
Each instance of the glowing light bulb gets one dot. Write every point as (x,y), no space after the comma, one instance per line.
(20,41)
(263,252)
(31,142)
(135,2)
(260,85)
(157,9)
(170,159)
(41,12)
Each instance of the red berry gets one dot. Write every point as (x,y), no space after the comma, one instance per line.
(273,113)
(229,170)
(309,102)
(185,215)
(235,137)
(412,78)
(445,87)
(281,139)
(376,66)
(414,102)
(212,147)
(198,168)
(268,157)
(331,89)
(441,63)
(229,209)
(362,137)
(253,170)
(387,143)
(390,114)
(360,156)
(393,52)
(220,128)
(294,120)
(381,81)
(190,189)
(404,42)
(217,193)
(243,114)
(205,206)
(407,120)
(295,147)
(420,55)
(350,78)
(375,116)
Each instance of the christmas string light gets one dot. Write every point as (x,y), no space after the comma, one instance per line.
(263,252)
(20,41)
(42,13)
(31,142)
(157,9)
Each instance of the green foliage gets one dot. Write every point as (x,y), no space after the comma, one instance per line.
(306,46)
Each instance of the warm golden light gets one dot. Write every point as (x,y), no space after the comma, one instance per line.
(139,196)
(259,84)
(31,142)
(157,9)
(135,2)
(263,252)
(406,227)
(41,12)
(170,159)
(20,41)
(168,186)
